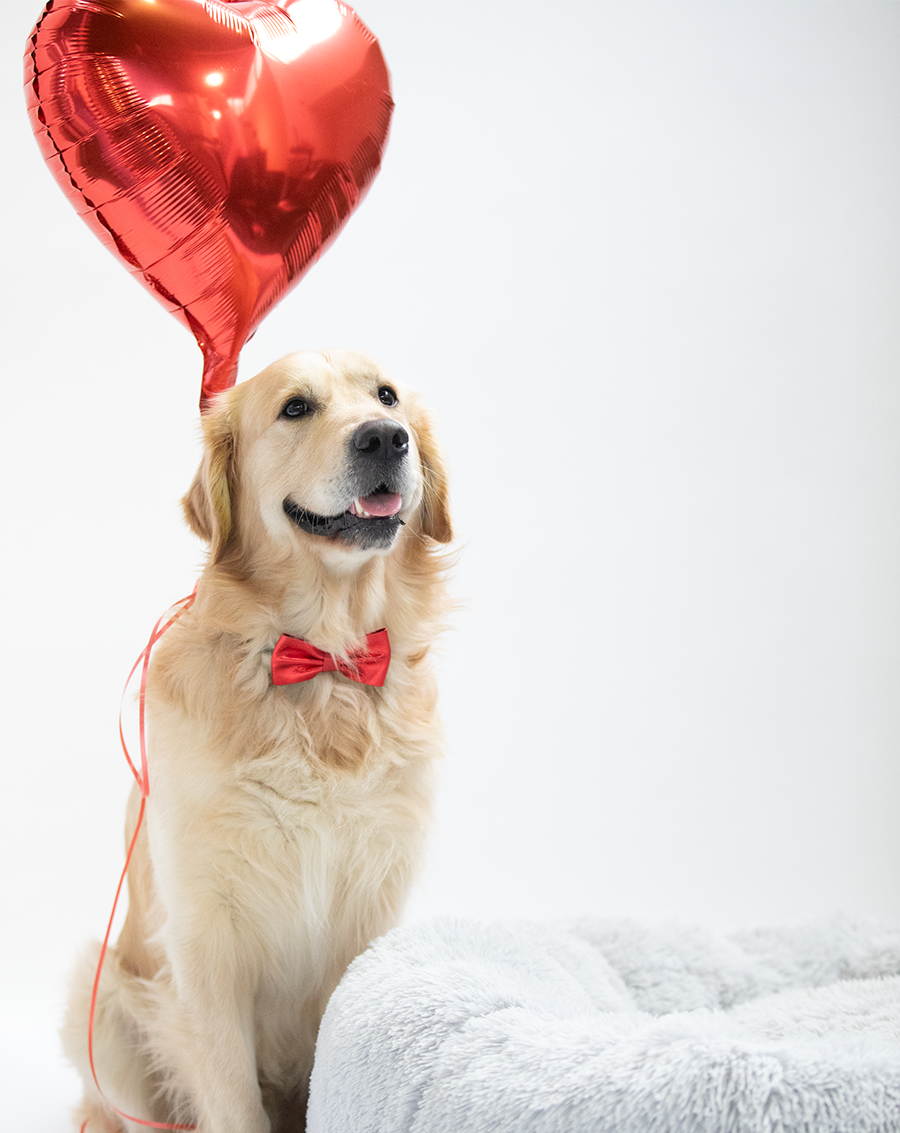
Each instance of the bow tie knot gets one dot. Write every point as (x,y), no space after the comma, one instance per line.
(295,660)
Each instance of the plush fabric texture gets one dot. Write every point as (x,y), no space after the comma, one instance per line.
(453,1026)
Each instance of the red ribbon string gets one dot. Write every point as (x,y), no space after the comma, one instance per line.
(143,781)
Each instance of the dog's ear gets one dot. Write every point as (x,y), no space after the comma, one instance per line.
(435,509)
(208,502)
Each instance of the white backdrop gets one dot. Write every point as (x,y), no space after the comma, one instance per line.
(644,262)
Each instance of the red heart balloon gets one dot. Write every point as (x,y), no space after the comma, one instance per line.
(217,146)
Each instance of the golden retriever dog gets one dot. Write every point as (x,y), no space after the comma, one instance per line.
(284,820)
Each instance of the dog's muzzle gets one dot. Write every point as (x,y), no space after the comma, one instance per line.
(377,456)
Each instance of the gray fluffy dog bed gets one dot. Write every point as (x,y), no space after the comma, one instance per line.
(614,1027)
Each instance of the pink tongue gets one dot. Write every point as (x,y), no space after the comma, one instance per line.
(387,504)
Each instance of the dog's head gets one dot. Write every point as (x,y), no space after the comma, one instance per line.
(323,449)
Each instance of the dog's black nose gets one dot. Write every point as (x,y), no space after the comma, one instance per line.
(382,440)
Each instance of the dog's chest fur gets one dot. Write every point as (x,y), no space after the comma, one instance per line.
(284,824)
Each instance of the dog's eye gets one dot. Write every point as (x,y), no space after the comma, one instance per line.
(296,407)
(387,396)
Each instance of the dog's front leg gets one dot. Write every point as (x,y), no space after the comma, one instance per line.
(218,1058)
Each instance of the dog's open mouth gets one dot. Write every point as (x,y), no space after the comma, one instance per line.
(369,519)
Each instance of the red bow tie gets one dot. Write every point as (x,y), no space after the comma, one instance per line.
(295,660)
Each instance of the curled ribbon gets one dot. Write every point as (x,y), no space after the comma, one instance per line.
(142,779)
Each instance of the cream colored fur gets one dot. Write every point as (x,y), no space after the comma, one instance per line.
(284,823)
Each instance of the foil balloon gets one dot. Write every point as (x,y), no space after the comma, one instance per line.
(216,146)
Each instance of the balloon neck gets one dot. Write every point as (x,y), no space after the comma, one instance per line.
(219,374)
